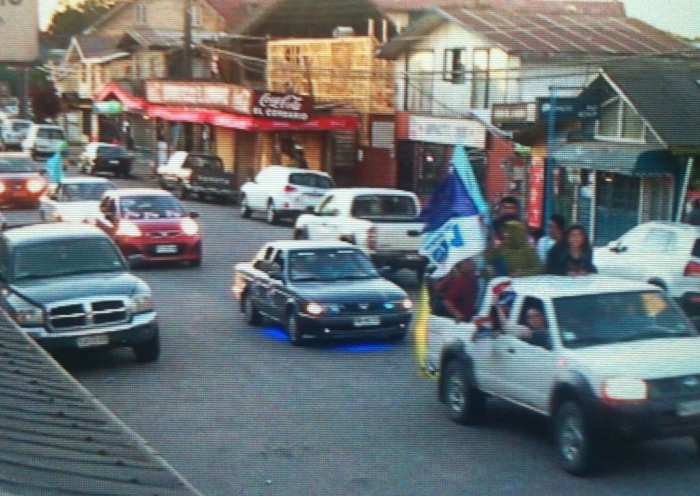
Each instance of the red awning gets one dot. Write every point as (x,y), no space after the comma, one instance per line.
(179,114)
(252,123)
(129,101)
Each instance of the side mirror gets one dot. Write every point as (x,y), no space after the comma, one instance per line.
(194,215)
(276,274)
(616,247)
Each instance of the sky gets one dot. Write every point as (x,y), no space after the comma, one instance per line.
(676,16)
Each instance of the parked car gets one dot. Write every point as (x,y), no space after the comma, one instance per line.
(383,221)
(106,157)
(198,175)
(22,180)
(607,359)
(43,140)
(74,199)
(663,253)
(283,192)
(322,290)
(151,223)
(13,132)
(67,300)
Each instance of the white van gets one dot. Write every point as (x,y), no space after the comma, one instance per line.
(43,140)
(13,132)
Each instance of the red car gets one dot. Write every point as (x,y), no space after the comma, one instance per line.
(152,224)
(22,182)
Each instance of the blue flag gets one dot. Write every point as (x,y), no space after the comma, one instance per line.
(454,227)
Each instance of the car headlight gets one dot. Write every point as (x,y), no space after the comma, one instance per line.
(128,228)
(24,313)
(405,304)
(313,308)
(189,226)
(624,388)
(35,185)
(3,187)
(142,303)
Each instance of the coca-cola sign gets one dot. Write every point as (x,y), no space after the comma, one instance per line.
(281,106)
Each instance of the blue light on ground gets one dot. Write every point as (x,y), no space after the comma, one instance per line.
(278,334)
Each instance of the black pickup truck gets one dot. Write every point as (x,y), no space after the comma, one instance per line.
(199,175)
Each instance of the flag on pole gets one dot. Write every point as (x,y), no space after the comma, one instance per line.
(454,229)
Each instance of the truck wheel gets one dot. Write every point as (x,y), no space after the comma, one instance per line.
(245,210)
(301,234)
(252,316)
(149,351)
(293,329)
(578,451)
(271,213)
(465,403)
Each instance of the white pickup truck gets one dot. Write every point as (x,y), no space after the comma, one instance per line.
(382,221)
(610,359)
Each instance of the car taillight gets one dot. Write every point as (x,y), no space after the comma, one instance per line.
(692,269)
(372,238)
(3,187)
(289,189)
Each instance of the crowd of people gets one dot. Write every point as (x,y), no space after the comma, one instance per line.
(513,252)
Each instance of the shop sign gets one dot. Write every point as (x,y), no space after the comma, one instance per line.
(283,106)
(446,131)
(107,107)
(535,193)
(568,108)
(223,96)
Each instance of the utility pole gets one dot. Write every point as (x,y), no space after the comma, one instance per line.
(187,42)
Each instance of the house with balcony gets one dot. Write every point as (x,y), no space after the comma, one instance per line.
(472,75)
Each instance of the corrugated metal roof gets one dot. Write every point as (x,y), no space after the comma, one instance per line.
(56,439)
(543,30)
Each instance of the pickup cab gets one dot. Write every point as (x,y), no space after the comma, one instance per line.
(610,359)
(382,221)
(198,175)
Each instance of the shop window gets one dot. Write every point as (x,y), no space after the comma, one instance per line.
(454,65)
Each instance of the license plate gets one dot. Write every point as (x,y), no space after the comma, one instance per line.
(166,249)
(90,341)
(688,408)
(366,320)
(114,162)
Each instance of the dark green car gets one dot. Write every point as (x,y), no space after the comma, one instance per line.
(68,287)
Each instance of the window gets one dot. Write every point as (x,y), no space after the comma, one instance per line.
(489,77)
(140,14)
(454,65)
(618,120)
(659,240)
(419,81)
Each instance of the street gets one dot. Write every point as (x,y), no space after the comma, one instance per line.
(238,411)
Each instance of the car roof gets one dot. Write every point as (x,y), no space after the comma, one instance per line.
(551,286)
(370,191)
(85,180)
(14,155)
(49,231)
(283,170)
(119,192)
(303,244)
(680,226)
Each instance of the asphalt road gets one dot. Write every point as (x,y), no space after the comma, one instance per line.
(239,411)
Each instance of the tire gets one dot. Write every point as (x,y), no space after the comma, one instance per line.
(465,404)
(245,210)
(577,449)
(293,330)
(271,214)
(301,234)
(252,316)
(148,351)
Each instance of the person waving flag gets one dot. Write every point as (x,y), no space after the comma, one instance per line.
(455,229)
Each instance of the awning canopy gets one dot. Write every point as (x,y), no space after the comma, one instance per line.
(629,161)
(228,120)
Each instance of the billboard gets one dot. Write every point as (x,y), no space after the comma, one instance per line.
(19,25)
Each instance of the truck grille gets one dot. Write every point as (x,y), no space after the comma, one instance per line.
(90,313)
(675,387)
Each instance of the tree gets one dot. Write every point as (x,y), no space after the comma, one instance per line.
(72,18)
(46,103)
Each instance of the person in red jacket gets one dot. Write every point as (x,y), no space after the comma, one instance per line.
(460,289)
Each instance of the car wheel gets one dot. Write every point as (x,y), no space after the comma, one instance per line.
(148,351)
(293,329)
(271,214)
(577,449)
(245,210)
(301,234)
(252,316)
(465,403)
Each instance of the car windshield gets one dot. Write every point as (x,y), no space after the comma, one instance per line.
(50,134)
(589,320)
(84,191)
(18,164)
(52,259)
(384,206)
(151,207)
(20,126)
(311,180)
(111,151)
(330,265)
